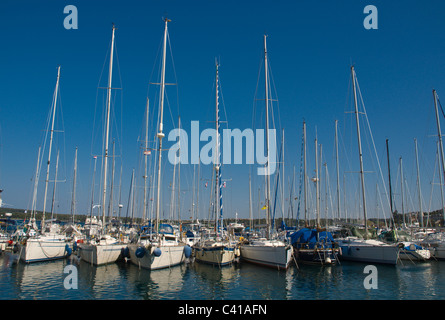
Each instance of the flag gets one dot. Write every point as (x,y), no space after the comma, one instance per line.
(206,184)
(264,208)
(147,152)
(224,184)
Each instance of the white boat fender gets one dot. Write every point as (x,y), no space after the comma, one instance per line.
(140,252)
(157,252)
(187,251)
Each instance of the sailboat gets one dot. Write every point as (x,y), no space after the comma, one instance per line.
(268,251)
(160,247)
(435,242)
(39,245)
(313,245)
(103,248)
(216,250)
(365,250)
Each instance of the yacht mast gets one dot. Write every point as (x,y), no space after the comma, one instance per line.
(362,176)
(305,175)
(218,184)
(317,196)
(338,171)
(107,128)
(146,153)
(402,192)
(439,135)
(50,148)
(161,126)
(418,184)
(390,187)
(266,69)
(73,201)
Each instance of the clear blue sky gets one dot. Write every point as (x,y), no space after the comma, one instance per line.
(311,45)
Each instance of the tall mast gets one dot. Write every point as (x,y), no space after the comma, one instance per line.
(36,183)
(402,192)
(179,172)
(338,171)
(250,205)
(440,178)
(266,70)
(161,126)
(92,189)
(146,152)
(317,189)
(362,176)
(56,91)
(73,200)
(110,204)
(389,179)
(439,135)
(418,185)
(305,175)
(218,184)
(282,180)
(107,127)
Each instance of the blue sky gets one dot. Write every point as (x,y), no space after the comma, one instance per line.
(311,48)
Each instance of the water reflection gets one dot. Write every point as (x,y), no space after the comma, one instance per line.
(156,284)
(102,282)
(38,280)
(195,281)
(213,282)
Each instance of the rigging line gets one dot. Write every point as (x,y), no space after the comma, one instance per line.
(122,97)
(276,94)
(432,185)
(256,93)
(375,151)
(174,70)
(97,94)
(443,114)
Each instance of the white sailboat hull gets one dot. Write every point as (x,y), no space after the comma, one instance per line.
(171,255)
(43,248)
(216,255)
(273,254)
(418,255)
(100,254)
(413,253)
(437,250)
(368,251)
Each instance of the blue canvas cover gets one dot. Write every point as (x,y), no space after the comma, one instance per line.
(309,238)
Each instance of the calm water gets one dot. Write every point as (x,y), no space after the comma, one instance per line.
(243,281)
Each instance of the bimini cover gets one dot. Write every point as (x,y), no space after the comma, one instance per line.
(311,237)
(190,234)
(165,228)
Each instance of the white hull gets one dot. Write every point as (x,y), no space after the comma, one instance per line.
(215,254)
(368,251)
(418,255)
(100,254)
(435,243)
(42,248)
(270,253)
(171,255)
(436,250)
(414,253)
